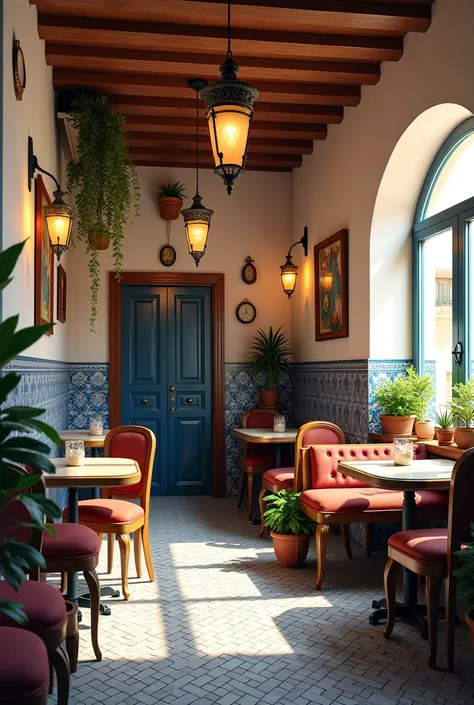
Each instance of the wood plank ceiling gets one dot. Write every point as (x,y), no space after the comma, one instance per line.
(308,59)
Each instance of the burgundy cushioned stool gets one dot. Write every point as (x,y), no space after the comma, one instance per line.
(24,668)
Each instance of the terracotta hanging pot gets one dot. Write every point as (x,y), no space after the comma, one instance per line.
(170,207)
(464,437)
(445,436)
(99,241)
(269,399)
(290,549)
(397,425)
(425,430)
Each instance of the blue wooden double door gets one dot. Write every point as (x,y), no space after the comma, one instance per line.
(167,381)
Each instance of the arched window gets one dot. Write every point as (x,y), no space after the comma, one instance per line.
(443,265)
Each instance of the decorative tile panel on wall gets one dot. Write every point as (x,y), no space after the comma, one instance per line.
(88,393)
(335,392)
(44,384)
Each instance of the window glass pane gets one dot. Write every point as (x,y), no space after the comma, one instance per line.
(437,317)
(470,297)
(455,182)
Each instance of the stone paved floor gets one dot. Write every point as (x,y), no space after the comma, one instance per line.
(225,624)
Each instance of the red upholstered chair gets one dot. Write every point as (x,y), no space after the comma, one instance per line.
(24,668)
(431,553)
(258,457)
(331,497)
(310,433)
(113,514)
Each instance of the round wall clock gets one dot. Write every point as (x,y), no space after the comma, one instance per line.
(19,70)
(167,255)
(246,311)
(249,271)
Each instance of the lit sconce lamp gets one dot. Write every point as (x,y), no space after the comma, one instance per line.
(289,270)
(326,281)
(58,215)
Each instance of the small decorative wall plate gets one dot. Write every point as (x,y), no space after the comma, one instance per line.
(246,311)
(249,271)
(19,70)
(167,255)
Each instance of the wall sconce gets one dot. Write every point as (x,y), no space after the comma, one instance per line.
(326,281)
(58,215)
(289,270)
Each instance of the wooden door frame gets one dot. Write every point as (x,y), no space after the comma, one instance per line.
(216,284)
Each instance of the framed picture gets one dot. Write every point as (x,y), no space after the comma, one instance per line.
(44,262)
(331,287)
(62,293)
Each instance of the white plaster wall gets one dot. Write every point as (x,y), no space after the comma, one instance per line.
(34,116)
(338,184)
(255,221)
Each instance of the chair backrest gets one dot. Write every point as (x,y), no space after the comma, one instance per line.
(320,463)
(461,506)
(135,443)
(257,418)
(314,433)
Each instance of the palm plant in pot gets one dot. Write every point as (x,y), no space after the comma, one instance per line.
(169,198)
(462,407)
(444,420)
(105,183)
(465,582)
(403,400)
(270,356)
(289,527)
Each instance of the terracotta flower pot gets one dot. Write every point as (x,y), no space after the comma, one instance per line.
(425,430)
(290,549)
(464,437)
(397,425)
(445,436)
(270,399)
(99,241)
(170,207)
(469,617)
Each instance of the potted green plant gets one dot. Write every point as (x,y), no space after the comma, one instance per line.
(270,356)
(105,183)
(465,582)
(462,407)
(289,527)
(18,447)
(444,420)
(169,198)
(403,400)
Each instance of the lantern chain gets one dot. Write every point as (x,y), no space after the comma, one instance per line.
(229,51)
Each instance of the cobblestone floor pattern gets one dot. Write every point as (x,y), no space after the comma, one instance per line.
(224,624)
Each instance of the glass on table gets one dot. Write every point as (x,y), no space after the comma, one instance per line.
(75,453)
(279,424)
(402,451)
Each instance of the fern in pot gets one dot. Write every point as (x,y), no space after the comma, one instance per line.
(403,400)
(105,182)
(270,355)
(289,527)
(462,407)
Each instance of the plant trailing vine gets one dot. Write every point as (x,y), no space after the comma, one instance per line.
(105,182)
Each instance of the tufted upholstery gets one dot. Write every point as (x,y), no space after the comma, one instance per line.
(324,462)
(24,669)
(134,446)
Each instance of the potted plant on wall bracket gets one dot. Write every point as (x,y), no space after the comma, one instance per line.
(270,356)
(169,198)
(403,400)
(462,406)
(444,429)
(289,527)
(105,183)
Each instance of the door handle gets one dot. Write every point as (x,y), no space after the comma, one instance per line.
(189,401)
(171,389)
(458,353)
(172,410)
(144,401)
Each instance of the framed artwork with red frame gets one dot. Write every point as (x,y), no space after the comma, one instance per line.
(44,261)
(331,287)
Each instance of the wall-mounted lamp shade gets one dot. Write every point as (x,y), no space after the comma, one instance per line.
(289,274)
(326,281)
(59,219)
(197,222)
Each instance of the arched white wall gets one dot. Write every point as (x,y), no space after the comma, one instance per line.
(390,234)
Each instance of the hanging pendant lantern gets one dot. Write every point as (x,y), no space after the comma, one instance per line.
(229,112)
(197,218)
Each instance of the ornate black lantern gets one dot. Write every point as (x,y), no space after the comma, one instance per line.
(289,270)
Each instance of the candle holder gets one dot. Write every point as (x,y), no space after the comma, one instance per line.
(95,427)
(402,451)
(75,453)
(279,424)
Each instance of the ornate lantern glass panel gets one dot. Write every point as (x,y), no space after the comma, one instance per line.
(59,220)
(197,221)
(289,274)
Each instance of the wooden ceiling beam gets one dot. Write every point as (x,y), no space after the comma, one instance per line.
(187,165)
(186,64)
(347,16)
(212,40)
(289,160)
(175,87)
(182,141)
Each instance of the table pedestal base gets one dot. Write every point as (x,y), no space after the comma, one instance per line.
(416,615)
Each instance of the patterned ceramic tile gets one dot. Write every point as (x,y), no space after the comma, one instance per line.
(379,372)
(88,393)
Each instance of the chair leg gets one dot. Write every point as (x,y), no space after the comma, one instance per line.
(124,545)
(63,585)
(261,505)
(368,539)
(433,589)
(72,648)
(137,551)
(450,620)
(100,538)
(146,550)
(110,552)
(242,488)
(250,494)
(94,591)
(322,532)
(390,583)
(347,539)
(60,663)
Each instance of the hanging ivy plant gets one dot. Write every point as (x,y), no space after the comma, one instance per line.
(105,182)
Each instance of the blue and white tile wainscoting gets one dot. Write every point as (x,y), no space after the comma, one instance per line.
(88,393)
